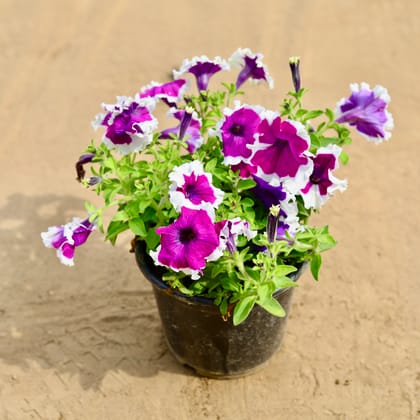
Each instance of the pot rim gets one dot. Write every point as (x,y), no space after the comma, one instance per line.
(153,272)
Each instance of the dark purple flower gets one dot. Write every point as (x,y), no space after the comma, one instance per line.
(202,68)
(281,153)
(269,195)
(294,68)
(238,131)
(252,67)
(366,110)
(80,170)
(191,131)
(129,125)
(188,242)
(67,237)
(322,183)
(171,92)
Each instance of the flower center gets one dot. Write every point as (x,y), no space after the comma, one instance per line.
(186,235)
(237,129)
(315,179)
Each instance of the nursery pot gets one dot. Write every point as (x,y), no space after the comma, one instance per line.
(199,337)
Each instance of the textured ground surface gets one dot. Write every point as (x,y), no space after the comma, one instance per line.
(85,343)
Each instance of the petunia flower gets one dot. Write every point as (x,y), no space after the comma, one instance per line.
(237,130)
(281,153)
(80,170)
(187,243)
(322,183)
(268,194)
(66,238)
(192,187)
(366,110)
(171,92)
(192,133)
(252,67)
(202,68)
(129,124)
(230,230)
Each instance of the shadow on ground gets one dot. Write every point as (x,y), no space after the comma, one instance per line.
(85,320)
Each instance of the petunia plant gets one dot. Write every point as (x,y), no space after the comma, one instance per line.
(222,198)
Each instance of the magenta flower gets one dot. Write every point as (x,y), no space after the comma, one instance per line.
(67,237)
(192,133)
(281,153)
(192,187)
(202,68)
(187,243)
(322,184)
(366,110)
(129,124)
(252,67)
(237,131)
(171,92)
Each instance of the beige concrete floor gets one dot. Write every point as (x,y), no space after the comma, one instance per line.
(85,342)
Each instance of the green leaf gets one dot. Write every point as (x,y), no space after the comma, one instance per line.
(243,308)
(152,239)
(273,307)
(246,184)
(316,262)
(114,229)
(344,157)
(137,227)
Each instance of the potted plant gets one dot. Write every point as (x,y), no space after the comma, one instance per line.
(219,203)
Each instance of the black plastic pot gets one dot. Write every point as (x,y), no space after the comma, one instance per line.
(198,336)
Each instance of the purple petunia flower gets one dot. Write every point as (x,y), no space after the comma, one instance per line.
(192,134)
(237,131)
(322,184)
(281,153)
(192,187)
(202,68)
(252,67)
(129,124)
(67,237)
(366,110)
(187,243)
(80,170)
(268,194)
(229,233)
(171,92)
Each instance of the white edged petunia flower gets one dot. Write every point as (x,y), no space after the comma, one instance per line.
(66,238)
(187,243)
(129,124)
(192,188)
(171,92)
(203,68)
(322,183)
(366,109)
(252,67)
(238,130)
(281,153)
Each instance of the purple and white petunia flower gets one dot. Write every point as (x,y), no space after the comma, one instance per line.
(283,220)
(192,188)
(252,67)
(230,230)
(366,110)
(129,124)
(281,153)
(192,133)
(202,68)
(66,238)
(187,243)
(322,183)
(171,92)
(238,130)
